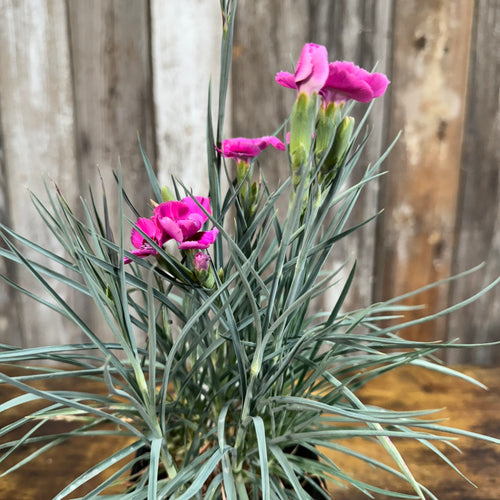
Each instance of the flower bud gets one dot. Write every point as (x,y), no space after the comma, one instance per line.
(242,169)
(328,119)
(302,120)
(202,270)
(337,152)
(166,194)
(201,262)
(343,138)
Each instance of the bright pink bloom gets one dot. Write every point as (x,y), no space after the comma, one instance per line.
(178,220)
(143,247)
(347,81)
(311,72)
(243,149)
(183,220)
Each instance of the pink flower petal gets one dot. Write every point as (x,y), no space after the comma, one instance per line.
(270,140)
(191,225)
(200,240)
(286,79)
(312,68)
(171,228)
(147,226)
(142,252)
(195,209)
(311,72)
(347,81)
(241,148)
(378,82)
(172,209)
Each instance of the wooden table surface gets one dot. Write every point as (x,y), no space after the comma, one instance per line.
(468,407)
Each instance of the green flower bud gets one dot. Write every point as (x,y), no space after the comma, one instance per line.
(339,148)
(302,121)
(220,274)
(242,168)
(253,200)
(166,194)
(343,138)
(327,122)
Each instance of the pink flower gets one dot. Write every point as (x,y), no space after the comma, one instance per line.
(347,81)
(143,247)
(243,149)
(178,220)
(311,72)
(183,220)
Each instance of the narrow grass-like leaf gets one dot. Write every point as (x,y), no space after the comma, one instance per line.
(97,469)
(260,432)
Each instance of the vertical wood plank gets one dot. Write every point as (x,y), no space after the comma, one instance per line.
(260,105)
(478,228)
(431,47)
(10,324)
(110,52)
(354,30)
(186,55)
(37,120)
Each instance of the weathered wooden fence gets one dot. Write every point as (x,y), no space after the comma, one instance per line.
(79,80)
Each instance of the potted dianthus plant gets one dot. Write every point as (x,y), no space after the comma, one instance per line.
(224,379)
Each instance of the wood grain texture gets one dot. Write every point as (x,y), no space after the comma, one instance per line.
(478,231)
(260,105)
(110,56)
(113,95)
(38,135)
(10,324)
(185,54)
(429,74)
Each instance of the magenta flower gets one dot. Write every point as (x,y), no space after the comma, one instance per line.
(347,81)
(143,247)
(178,220)
(183,220)
(243,149)
(311,72)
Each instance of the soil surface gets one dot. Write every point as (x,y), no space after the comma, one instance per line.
(408,388)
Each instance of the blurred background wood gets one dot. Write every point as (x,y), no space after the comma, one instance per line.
(431,43)
(478,227)
(79,80)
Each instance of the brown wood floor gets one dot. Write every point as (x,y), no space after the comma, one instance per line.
(467,406)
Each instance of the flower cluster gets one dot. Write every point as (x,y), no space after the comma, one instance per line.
(336,82)
(181,221)
(315,78)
